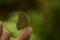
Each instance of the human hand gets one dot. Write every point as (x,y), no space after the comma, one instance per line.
(5,35)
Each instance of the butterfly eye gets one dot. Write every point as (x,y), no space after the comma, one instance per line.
(22,21)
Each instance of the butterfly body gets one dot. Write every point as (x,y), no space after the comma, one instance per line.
(22,21)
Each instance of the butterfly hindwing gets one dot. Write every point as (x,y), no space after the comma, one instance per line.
(22,21)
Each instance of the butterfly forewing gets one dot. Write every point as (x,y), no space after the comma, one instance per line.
(22,21)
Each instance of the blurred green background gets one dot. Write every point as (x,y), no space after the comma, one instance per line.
(44,17)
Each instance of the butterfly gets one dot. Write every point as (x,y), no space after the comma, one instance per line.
(22,21)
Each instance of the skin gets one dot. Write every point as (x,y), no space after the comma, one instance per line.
(5,35)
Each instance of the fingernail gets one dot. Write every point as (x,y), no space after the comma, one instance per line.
(30,31)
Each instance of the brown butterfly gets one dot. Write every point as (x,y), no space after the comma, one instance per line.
(22,21)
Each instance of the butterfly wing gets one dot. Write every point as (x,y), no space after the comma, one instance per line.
(22,21)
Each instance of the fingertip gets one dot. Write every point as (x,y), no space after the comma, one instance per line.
(0,23)
(12,39)
(30,30)
(26,34)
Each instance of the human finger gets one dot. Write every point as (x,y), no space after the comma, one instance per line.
(5,35)
(26,34)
